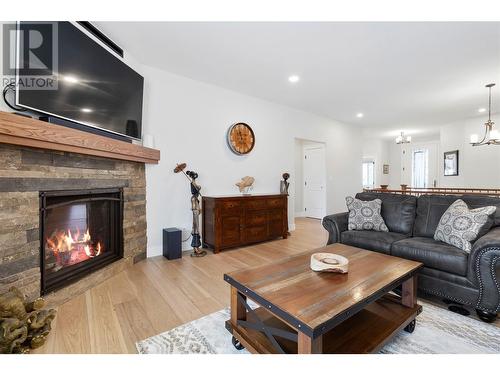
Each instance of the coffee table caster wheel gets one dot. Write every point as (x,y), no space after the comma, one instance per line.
(237,344)
(411,327)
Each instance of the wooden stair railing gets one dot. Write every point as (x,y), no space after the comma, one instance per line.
(439,191)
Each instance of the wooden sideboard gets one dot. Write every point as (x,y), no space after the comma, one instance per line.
(231,221)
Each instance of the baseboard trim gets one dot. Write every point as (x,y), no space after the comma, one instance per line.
(300,214)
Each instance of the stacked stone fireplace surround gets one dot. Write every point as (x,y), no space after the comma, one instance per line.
(24,172)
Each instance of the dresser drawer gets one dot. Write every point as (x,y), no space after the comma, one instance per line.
(229,206)
(275,202)
(275,215)
(256,234)
(257,204)
(255,218)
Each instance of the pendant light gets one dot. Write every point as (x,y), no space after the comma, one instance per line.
(491,135)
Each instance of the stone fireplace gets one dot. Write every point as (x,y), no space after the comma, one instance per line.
(72,207)
(80,232)
(43,193)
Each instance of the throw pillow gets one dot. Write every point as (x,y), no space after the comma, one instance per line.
(459,226)
(365,215)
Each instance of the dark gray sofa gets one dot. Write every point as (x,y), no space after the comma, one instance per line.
(450,273)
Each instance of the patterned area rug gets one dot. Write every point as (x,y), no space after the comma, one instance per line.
(438,331)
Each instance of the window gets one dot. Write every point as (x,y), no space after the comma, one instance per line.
(420,168)
(368,174)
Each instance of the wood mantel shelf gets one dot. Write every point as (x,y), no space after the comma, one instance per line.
(24,131)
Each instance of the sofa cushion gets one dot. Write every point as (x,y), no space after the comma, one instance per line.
(460,226)
(365,215)
(377,241)
(432,254)
(398,210)
(430,208)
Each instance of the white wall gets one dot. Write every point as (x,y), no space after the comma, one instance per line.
(301,145)
(189,120)
(400,157)
(406,161)
(378,151)
(479,167)
(395,165)
(298,179)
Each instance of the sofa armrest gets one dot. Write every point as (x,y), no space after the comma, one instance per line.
(484,270)
(335,224)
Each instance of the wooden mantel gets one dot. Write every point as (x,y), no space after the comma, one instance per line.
(24,131)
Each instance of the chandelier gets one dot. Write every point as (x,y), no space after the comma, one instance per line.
(491,136)
(400,139)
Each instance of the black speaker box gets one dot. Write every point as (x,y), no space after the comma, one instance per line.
(172,243)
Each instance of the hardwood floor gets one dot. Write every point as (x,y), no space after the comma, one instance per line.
(156,295)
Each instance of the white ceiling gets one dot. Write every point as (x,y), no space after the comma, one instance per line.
(402,76)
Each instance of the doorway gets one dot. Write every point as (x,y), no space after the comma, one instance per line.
(421,161)
(314,175)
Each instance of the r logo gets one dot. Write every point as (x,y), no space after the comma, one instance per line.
(33,45)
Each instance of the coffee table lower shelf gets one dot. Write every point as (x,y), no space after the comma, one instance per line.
(365,332)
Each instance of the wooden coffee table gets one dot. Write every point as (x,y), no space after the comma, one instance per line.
(302,311)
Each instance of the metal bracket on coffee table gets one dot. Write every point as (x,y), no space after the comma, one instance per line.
(281,314)
(258,325)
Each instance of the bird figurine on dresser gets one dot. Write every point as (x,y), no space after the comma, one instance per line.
(245,185)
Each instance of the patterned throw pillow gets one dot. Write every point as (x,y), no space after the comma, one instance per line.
(460,226)
(365,215)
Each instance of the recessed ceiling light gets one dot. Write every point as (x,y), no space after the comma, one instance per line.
(481,110)
(70,79)
(86,110)
(294,79)
(359,115)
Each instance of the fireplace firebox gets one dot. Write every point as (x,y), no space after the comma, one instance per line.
(81,231)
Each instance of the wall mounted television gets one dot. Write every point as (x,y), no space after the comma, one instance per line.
(95,87)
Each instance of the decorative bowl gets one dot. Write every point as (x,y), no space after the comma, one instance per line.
(328,262)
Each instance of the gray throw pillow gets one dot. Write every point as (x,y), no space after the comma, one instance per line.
(365,215)
(459,226)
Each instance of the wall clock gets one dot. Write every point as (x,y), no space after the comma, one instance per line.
(240,138)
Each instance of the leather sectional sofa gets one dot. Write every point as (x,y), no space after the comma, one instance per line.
(450,273)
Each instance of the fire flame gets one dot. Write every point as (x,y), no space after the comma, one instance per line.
(73,247)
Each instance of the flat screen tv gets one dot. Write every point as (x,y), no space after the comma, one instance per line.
(95,87)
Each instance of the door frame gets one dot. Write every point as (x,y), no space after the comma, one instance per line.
(435,164)
(311,146)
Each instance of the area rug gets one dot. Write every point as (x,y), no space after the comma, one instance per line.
(438,331)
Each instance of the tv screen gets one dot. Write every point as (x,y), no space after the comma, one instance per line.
(94,87)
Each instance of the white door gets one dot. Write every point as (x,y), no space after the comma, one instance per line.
(424,170)
(433,165)
(314,182)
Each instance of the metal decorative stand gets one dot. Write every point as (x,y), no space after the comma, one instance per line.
(195,208)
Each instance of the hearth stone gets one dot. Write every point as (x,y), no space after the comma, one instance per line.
(24,172)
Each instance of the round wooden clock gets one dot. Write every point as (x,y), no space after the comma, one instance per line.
(240,138)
